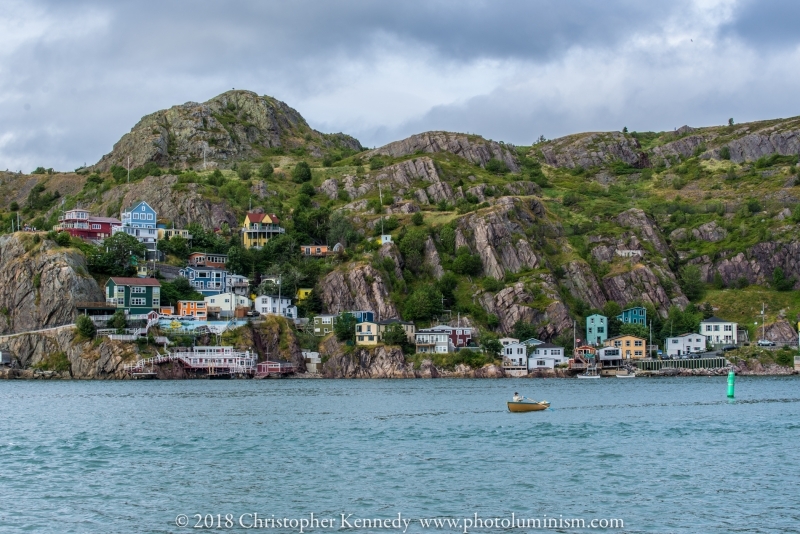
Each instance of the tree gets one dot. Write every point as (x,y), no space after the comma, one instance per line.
(466,262)
(63,239)
(417,219)
(624,129)
(691,281)
(395,335)
(719,282)
(523,330)
(244,170)
(341,230)
(412,247)
(301,173)
(178,289)
(423,304)
(447,285)
(491,345)
(176,245)
(730,121)
(85,327)
(631,329)
(114,256)
(345,327)
(496,166)
(266,170)
(780,282)
(216,179)
(117,320)
(308,189)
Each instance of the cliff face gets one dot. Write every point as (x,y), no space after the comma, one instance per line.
(231,126)
(42,283)
(756,264)
(473,148)
(273,338)
(593,149)
(357,287)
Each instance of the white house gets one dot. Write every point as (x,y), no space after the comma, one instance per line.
(226,303)
(238,284)
(313,361)
(272,305)
(719,331)
(508,340)
(548,350)
(516,354)
(608,354)
(541,362)
(433,340)
(686,344)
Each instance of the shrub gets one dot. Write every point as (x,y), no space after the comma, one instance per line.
(266,170)
(308,189)
(54,362)
(345,327)
(492,284)
(343,195)
(571,198)
(217,178)
(496,166)
(742,282)
(417,219)
(691,282)
(725,153)
(244,171)
(85,327)
(466,262)
(753,206)
(301,173)
(14,206)
(780,282)
(63,239)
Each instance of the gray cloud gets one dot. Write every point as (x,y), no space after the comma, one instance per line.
(76,75)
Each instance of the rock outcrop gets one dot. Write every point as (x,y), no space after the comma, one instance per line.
(42,283)
(273,338)
(512,304)
(498,236)
(592,149)
(765,143)
(710,231)
(356,287)
(231,126)
(645,283)
(473,148)
(756,264)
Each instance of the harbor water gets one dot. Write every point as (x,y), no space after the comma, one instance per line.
(662,455)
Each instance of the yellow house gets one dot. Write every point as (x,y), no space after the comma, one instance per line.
(631,347)
(258,228)
(367,333)
(164,233)
(302,294)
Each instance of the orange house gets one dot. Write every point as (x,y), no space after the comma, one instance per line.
(193,308)
(314,250)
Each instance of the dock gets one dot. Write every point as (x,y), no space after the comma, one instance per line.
(689,363)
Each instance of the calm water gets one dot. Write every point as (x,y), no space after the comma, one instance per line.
(669,455)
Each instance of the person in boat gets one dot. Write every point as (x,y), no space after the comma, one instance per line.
(517,397)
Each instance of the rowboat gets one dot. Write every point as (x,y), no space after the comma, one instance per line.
(527,406)
(626,375)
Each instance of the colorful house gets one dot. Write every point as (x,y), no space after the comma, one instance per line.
(206,280)
(323,324)
(408,327)
(303,293)
(258,228)
(631,347)
(78,223)
(136,296)
(362,315)
(207,259)
(314,251)
(169,233)
(139,221)
(367,333)
(193,308)
(596,329)
(635,315)
(227,305)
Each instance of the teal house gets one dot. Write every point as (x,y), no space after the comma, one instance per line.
(635,315)
(596,329)
(136,296)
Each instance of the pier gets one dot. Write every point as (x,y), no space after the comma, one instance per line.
(689,363)
(208,361)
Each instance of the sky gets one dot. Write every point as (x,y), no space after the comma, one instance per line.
(75,75)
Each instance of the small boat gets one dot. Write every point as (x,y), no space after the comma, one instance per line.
(591,372)
(628,374)
(527,406)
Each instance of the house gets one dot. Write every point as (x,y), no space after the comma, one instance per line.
(385,238)
(227,305)
(274,305)
(207,259)
(686,344)
(516,354)
(362,315)
(542,362)
(78,223)
(596,329)
(169,233)
(635,315)
(238,284)
(549,350)
(193,308)
(632,347)
(718,331)
(258,228)
(206,280)
(136,296)
(433,340)
(139,221)
(315,251)
(367,333)
(610,357)
(585,351)
(323,324)
(5,358)
(532,342)
(508,340)
(313,361)
(408,327)
(166,310)
(302,294)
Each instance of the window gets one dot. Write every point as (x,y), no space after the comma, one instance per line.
(601,329)
(137,302)
(590,331)
(708,328)
(541,363)
(674,341)
(716,328)
(628,343)
(156,301)
(136,216)
(638,343)
(138,290)
(121,301)
(728,328)
(95,226)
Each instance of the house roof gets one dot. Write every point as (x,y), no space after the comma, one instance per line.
(207,254)
(688,334)
(549,346)
(715,319)
(394,321)
(260,217)
(625,335)
(110,220)
(131,281)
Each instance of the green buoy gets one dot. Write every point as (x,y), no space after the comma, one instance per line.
(731,381)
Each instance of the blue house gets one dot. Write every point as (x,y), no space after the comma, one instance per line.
(209,281)
(635,315)
(596,329)
(363,316)
(139,221)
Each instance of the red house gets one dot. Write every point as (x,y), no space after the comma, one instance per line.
(78,223)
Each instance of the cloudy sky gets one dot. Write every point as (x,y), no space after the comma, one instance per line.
(76,75)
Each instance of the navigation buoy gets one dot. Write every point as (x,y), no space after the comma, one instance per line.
(731,381)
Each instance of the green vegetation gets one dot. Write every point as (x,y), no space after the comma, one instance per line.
(85,327)
(56,361)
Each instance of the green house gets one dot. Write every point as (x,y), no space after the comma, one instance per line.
(137,296)
(323,324)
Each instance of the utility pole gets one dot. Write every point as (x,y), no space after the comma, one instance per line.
(280,311)
(763,323)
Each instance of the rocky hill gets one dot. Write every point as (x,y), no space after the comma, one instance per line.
(504,235)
